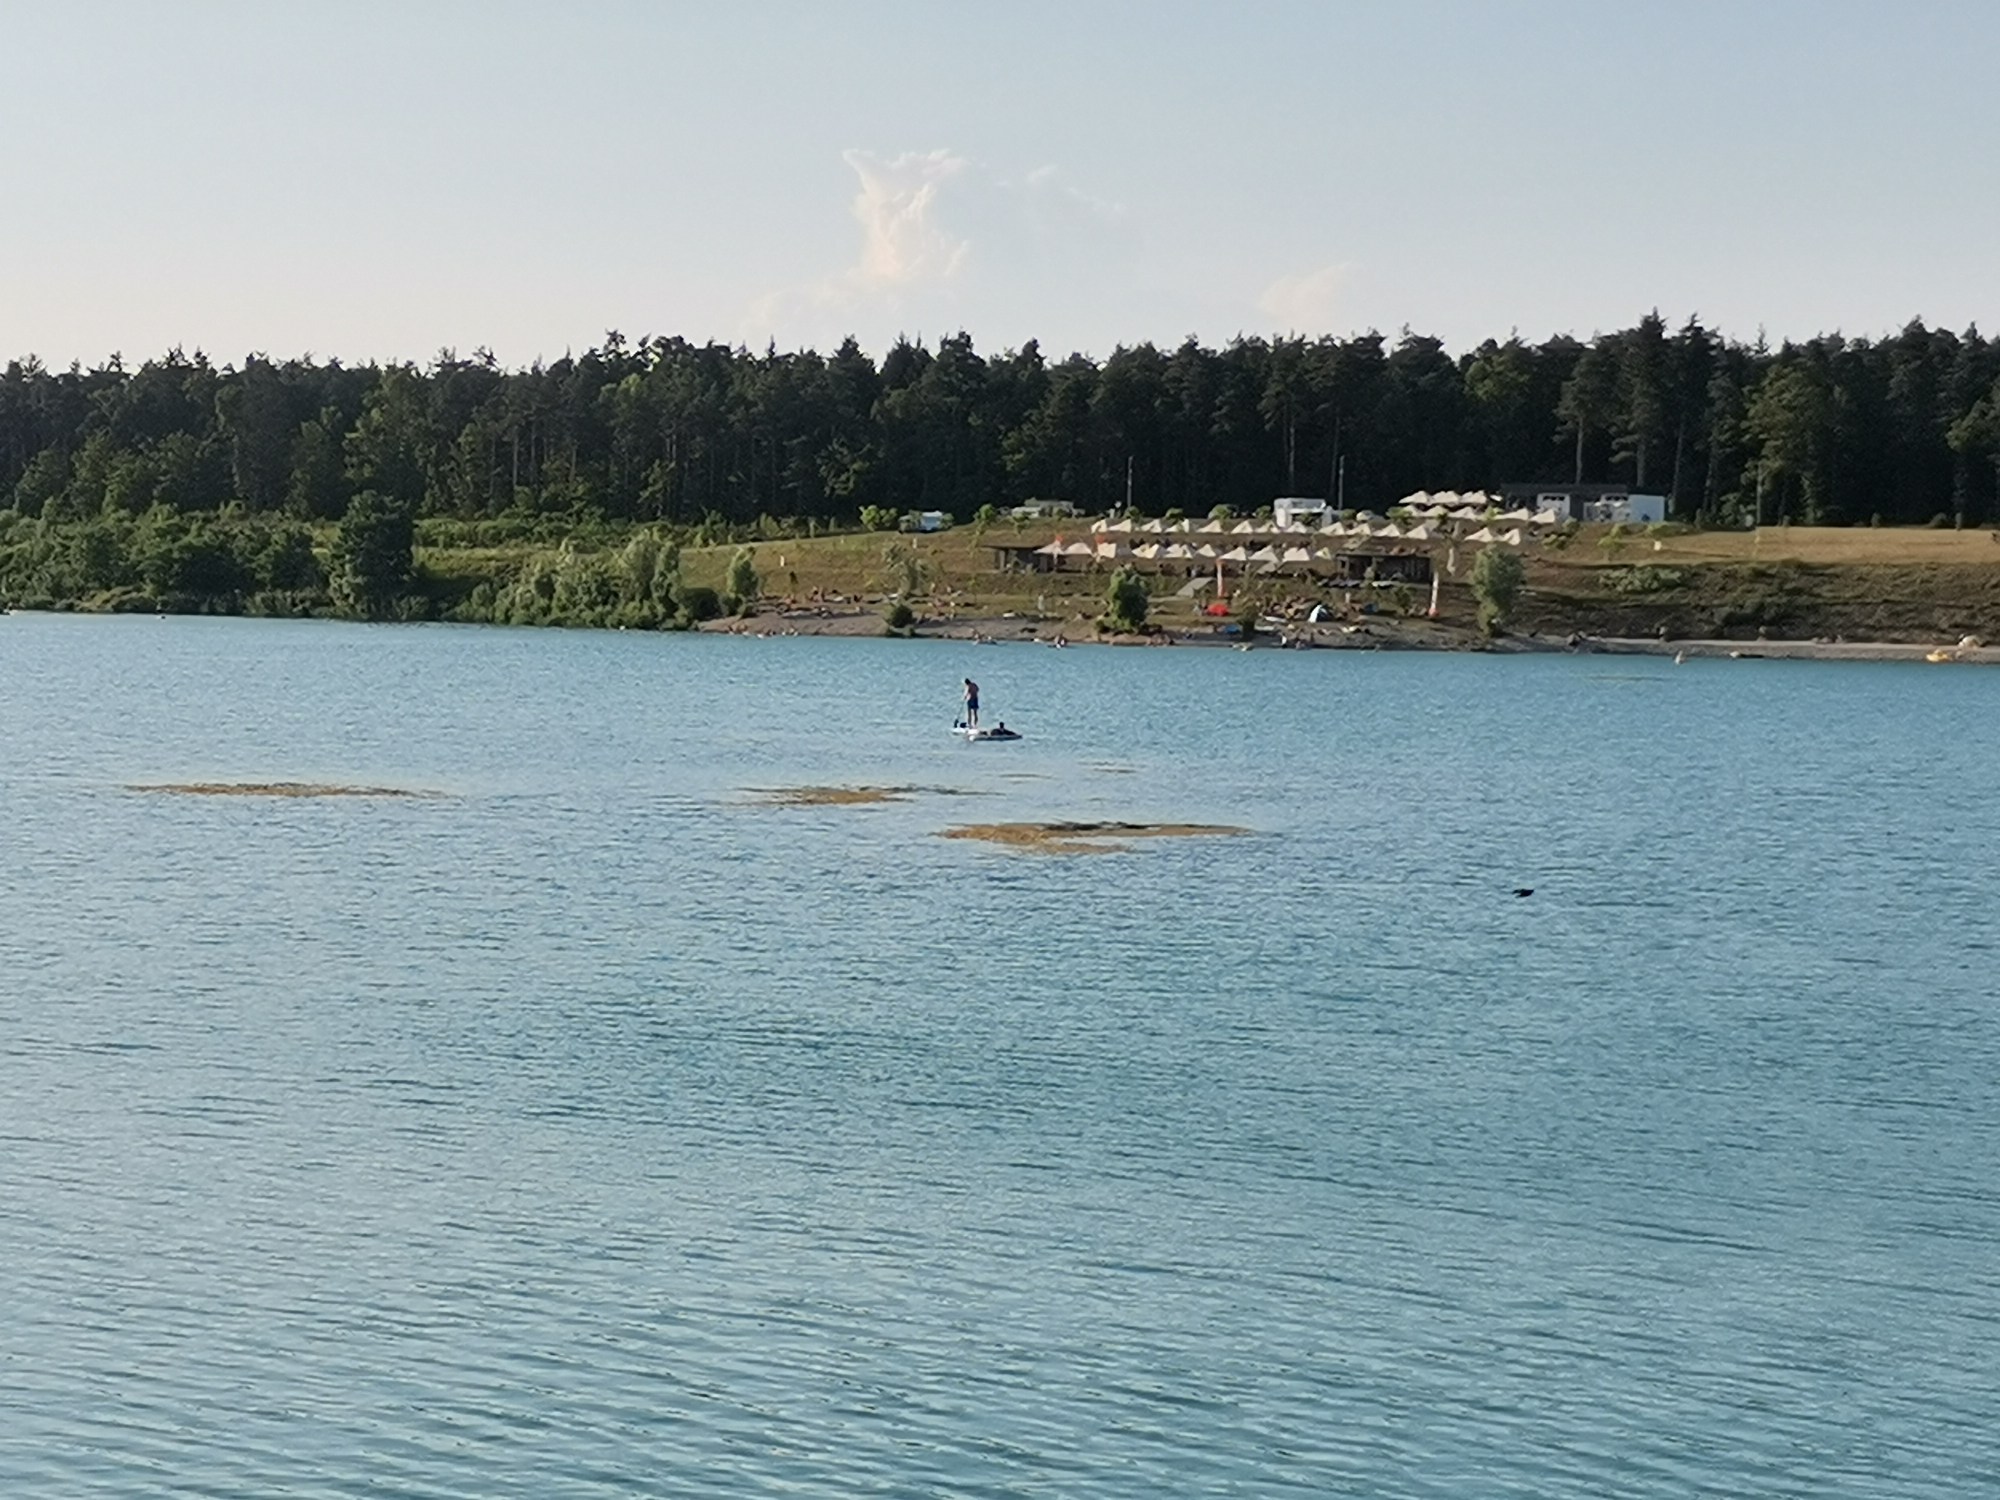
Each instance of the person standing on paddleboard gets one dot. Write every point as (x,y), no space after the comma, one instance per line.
(971,704)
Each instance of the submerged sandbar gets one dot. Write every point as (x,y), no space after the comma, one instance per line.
(830,796)
(273,789)
(1084,838)
(847,796)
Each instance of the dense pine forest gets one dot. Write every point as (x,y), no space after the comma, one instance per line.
(133,462)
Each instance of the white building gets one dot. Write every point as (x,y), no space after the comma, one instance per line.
(1633,510)
(1299,508)
(1600,503)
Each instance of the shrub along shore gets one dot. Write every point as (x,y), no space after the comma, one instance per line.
(1908,585)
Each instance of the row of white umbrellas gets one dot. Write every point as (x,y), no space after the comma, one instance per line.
(1366,525)
(1517,517)
(1387,530)
(1124,525)
(1115,551)
(1451,499)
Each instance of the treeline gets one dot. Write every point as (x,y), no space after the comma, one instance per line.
(1834,430)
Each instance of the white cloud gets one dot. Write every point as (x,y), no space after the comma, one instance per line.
(1306,304)
(945,242)
(902,239)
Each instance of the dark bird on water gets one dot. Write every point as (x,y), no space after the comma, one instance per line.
(1524,890)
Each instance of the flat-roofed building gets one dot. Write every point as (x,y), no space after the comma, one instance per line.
(1589,502)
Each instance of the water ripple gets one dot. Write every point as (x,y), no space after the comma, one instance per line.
(583,1135)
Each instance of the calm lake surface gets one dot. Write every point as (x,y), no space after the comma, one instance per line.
(591,1131)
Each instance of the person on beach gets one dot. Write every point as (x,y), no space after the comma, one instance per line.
(971,704)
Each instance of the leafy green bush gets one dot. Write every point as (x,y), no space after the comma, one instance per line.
(1496,580)
(374,557)
(287,563)
(899,616)
(193,564)
(1126,602)
(741,582)
(699,602)
(1643,580)
(586,587)
(904,570)
(646,570)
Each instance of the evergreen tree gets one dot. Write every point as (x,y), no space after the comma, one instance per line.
(374,556)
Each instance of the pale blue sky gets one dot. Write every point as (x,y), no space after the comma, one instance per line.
(382,180)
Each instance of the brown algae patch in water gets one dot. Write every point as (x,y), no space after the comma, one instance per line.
(847,796)
(273,789)
(1084,838)
(829,796)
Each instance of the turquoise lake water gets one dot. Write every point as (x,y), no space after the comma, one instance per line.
(590,1130)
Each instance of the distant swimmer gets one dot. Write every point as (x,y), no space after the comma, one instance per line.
(971,704)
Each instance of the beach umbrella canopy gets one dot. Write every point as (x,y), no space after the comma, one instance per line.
(1511,538)
(1053,549)
(1176,551)
(1263,554)
(1296,555)
(1079,549)
(1418,533)
(1244,528)
(1483,534)
(1236,554)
